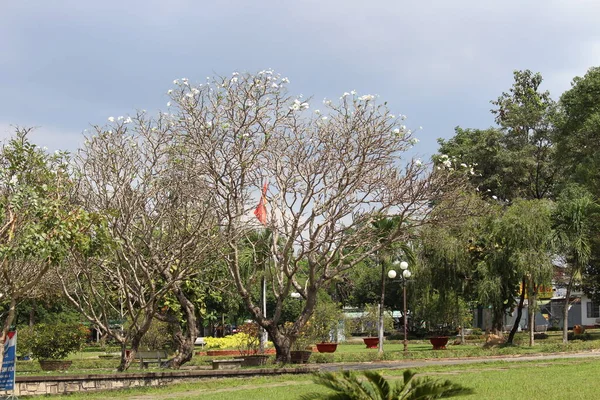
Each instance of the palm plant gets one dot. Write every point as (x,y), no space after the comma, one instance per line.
(573,224)
(348,386)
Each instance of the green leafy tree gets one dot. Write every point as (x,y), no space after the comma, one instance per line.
(580,131)
(528,118)
(517,159)
(39,223)
(346,385)
(444,275)
(575,222)
(524,243)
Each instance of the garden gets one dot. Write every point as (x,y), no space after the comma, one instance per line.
(280,233)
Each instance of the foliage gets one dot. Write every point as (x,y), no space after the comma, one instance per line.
(575,224)
(158,337)
(252,340)
(347,386)
(238,341)
(57,341)
(367,322)
(323,324)
(580,131)
(304,338)
(39,223)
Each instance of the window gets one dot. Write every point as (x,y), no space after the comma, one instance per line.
(593,311)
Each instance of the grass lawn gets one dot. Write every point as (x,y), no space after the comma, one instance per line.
(544,379)
(88,362)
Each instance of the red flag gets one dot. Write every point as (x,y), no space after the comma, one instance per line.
(261,209)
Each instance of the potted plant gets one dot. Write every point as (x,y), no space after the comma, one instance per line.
(248,344)
(51,344)
(439,338)
(301,350)
(367,324)
(323,326)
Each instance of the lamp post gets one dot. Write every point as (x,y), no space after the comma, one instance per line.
(405,275)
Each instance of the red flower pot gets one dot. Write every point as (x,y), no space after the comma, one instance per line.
(371,342)
(326,347)
(439,342)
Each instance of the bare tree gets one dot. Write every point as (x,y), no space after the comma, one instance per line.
(329,174)
(159,218)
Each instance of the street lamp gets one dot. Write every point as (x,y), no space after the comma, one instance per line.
(405,275)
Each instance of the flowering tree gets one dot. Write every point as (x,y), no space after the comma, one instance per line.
(39,222)
(329,174)
(159,217)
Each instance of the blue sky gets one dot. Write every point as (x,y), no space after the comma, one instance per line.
(65,65)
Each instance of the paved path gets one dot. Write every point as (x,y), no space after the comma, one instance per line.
(453,361)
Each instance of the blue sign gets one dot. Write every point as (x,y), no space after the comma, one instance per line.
(7,373)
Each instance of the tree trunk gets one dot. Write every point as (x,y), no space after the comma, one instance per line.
(531,312)
(565,338)
(185,339)
(32,313)
(282,344)
(381,308)
(515,327)
(497,320)
(127,356)
(459,321)
(136,339)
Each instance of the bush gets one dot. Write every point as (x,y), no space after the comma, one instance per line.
(367,323)
(158,337)
(55,342)
(237,341)
(26,338)
(323,324)
(581,336)
(250,342)
(554,328)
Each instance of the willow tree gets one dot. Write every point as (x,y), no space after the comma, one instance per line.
(447,268)
(524,239)
(327,174)
(158,214)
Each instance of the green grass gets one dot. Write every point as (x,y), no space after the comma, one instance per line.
(88,361)
(544,379)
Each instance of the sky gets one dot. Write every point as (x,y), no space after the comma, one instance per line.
(66,65)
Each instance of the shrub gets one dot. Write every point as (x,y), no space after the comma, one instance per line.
(367,323)
(158,337)
(236,341)
(324,322)
(57,341)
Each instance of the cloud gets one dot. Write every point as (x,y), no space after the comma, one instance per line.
(70,63)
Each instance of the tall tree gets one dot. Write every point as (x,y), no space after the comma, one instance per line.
(446,270)
(575,218)
(39,222)
(579,138)
(528,118)
(158,213)
(515,160)
(329,174)
(524,240)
